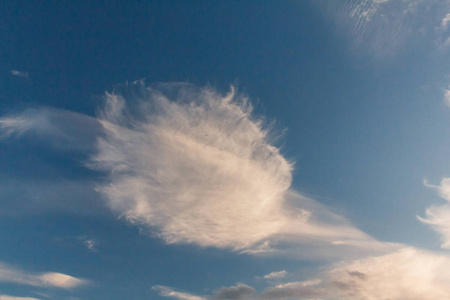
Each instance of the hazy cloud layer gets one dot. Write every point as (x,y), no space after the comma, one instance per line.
(6,297)
(408,273)
(49,279)
(438,216)
(383,27)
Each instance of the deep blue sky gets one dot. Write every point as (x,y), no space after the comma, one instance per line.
(362,111)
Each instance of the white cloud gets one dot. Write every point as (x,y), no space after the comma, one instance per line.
(169,292)
(50,279)
(6,297)
(447,96)
(197,167)
(277,274)
(237,292)
(438,216)
(200,168)
(445,21)
(408,273)
(19,74)
(62,129)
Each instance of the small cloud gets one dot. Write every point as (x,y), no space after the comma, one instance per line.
(445,22)
(438,216)
(89,243)
(20,74)
(169,292)
(279,274)
(447,96)
(49,279)
(237,292)
(6,297)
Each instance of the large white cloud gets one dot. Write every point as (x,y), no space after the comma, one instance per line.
(198,167)
(407,273)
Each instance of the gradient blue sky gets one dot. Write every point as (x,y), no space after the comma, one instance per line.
(346,149)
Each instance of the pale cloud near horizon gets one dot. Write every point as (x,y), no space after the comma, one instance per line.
(7,297)
(407,273)
(48,279)
(169,292)
(239,291)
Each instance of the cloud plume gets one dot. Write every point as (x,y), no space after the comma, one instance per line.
(195,166)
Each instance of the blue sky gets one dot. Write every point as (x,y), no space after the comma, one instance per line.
(225,150)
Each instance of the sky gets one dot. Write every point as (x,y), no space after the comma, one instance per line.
(208,150)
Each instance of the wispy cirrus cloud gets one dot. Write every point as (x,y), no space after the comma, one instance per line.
(438,216)
(200,168)
(169,292)
(239,291)
(7,297)
(384,27)
(12,274)
(20,74)
(276,274)
(408,273)
(196,166)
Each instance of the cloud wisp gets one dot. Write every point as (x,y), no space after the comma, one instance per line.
(7,297)
(169,292)
(438,216)
(384,27)
(239,291)
(20,74)
(49,279)
(407,273)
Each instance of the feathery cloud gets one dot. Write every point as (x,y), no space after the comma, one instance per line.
(238,292)
(438,216)
(384,27)
(20,74)
(169,292)
(408,273)
(195,166)
(49,279)
(279,274)
(6,297)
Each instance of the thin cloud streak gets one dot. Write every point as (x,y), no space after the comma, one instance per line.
(6,297)
(49,279)
(438,216)
(169,292)
(20,74)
